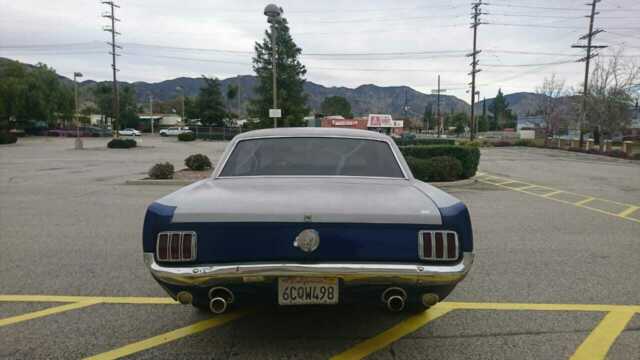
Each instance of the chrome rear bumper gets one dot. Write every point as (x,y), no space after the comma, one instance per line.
(349,273)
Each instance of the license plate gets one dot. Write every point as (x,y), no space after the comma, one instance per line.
(307,291)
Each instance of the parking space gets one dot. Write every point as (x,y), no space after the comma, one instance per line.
(555,275)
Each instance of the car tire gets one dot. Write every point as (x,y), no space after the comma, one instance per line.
(163,134)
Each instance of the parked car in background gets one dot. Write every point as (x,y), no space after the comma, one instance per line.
(129,132)
(97,131)
(174,131)
(304,216)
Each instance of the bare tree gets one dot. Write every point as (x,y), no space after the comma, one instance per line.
(609,101)
(549,103)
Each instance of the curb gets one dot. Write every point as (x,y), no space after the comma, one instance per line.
(452,184)
(159,182)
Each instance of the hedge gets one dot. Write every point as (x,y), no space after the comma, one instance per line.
(186,136)
(198,162)
(469,156)
(161,171)
(437,168)
(121,143)
(7,138)
(436,141)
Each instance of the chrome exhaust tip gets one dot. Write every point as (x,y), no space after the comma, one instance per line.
(218,305)
(184,297)
(395,303)
(430,299)
(222,292)
(394,298)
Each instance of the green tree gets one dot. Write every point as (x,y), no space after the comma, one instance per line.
(428,117)
(503,116)
(232,94)
(483,122)
(336,105)
(211,104)
(35,95)
(290,80)
(127,111)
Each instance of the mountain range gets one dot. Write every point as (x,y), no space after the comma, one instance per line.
(399,101)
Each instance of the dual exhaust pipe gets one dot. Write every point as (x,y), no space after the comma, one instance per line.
(219,299)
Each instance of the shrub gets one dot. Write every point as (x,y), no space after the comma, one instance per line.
(161,171)
(616,153)
(186,136)
(7,138)
(475,143)
(469,156)
(524,142)
(205,136)
(121,143)
(502,143)
(437,168)
(437,141)
(198,162)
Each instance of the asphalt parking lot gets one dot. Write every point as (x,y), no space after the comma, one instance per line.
(557,241)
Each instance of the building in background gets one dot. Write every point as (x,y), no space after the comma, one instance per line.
(375,122)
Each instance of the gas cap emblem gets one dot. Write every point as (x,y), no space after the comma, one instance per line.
(308,240)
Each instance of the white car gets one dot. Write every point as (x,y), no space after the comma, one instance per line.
(174,131)
(129,132)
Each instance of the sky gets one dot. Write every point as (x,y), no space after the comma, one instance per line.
(344,43)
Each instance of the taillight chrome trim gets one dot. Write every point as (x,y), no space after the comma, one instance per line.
(180,258)
(445,241)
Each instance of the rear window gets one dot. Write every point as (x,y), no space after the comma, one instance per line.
(309,156)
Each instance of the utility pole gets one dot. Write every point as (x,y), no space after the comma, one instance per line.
(116,101)
(589,37)
(76,75)
(438,91)
(151,111)
(477,11)
(275,72)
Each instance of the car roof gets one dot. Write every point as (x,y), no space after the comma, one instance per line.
(312,132)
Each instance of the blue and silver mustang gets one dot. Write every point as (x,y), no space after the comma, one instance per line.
(300,216)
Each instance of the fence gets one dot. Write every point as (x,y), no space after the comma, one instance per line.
(215,133)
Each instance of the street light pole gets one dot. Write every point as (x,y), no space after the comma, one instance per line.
(182,90)
(151,111)
(273,12)
(275,72)
(78,143)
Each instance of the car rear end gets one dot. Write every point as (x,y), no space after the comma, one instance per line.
(308,240)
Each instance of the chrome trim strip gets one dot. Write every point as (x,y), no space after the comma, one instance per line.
(367,273)
(218,170)
(445,242)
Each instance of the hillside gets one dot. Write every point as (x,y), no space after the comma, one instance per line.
(521,103)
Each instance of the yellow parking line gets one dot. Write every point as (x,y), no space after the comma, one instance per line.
(630,210)
(552,193)
(168,336)
(597,344)
(525,187)
(102,299)
(391,335)
(539,307)
(582,202)
(47,312)
(505,182)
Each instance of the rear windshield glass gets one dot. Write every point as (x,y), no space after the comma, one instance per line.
(312,157)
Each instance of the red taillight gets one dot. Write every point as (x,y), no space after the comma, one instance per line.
(438,245)
(176,246)
(427,244)
(174,253)
(163,246)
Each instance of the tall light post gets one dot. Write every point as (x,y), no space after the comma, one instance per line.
(273,12)
(76,75)
(151,111)
(181,89)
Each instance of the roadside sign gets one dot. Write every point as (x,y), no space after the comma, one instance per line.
(275,113)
